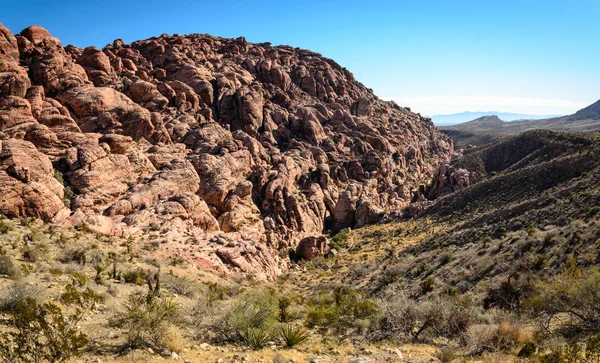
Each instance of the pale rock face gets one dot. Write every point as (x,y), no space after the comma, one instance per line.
(27,185)
(237,149)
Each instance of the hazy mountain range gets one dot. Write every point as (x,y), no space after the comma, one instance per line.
(487,129)
(586,119)
(456,118)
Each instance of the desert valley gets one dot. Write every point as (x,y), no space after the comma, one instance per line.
(207,199)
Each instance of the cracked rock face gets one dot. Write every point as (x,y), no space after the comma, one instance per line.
(240,150)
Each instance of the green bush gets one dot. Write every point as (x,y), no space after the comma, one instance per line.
(446,257)
(148,320)
(251,313)
(136,277)
(216,292)
(4,228)
(43,333)
(427,285)
(340,240)
(284,309)
(340,308)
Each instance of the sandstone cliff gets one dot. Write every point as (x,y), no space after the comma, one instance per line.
(231,151)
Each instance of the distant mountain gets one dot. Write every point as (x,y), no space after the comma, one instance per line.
(586,119)
(457,118)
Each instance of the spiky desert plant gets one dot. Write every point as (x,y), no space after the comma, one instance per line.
(256,338)
(293,335)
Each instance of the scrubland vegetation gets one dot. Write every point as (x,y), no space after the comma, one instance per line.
(92,296)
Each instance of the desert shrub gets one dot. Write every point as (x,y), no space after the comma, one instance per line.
(568,302)
(509,293)
(496,337)
(539,262)
(399,316)
(292,335)
(402,319)
(75,254)
(340,308)
(4,228)
(7,267)
(389,275)
(592,349)
(593,211)
(136,277)
(148,320)
(548,239)
(531,230)
(217,292)
(43,333)
(79,277)
(446,257)
(36,252)
(340,240)
(252,317)
(17,293)
(572,352)
(445,354)
(181,286)
(427,285)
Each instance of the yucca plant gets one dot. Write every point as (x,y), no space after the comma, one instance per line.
(293,335)
(256,338)
(284,314)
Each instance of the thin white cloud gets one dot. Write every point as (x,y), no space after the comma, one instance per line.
(454,104)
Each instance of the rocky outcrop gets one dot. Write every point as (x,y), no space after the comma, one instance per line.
(27,185)
(449,179)
(226,150)
(312,247)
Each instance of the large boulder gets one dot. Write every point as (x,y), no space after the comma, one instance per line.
(311,247)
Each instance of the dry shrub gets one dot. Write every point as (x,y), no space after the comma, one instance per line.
(403,319)
(8,268)
(445,354)
(18,293)
(568,303)
(496,337)
(174,340)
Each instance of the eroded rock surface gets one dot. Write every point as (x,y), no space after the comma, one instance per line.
(230,152)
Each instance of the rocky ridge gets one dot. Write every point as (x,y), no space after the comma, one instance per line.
(230,151)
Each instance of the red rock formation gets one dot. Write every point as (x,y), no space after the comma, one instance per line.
(243,148)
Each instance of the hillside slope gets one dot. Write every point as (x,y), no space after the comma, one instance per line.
(502,207)
(238,149)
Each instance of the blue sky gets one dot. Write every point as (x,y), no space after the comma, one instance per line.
(536,57)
